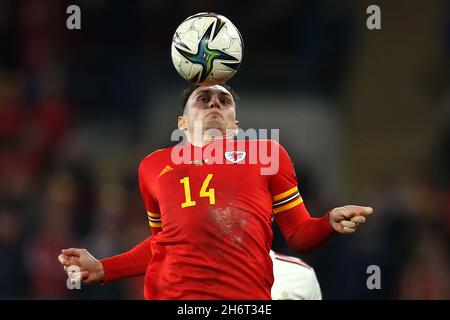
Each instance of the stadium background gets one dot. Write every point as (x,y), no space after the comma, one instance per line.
(364,114)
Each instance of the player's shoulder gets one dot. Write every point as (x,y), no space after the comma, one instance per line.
(158,152)
(289,260)
(155,157)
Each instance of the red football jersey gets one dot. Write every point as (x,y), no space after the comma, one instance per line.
(211,218)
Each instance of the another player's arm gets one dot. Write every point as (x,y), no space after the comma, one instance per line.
(315,292)
(303,232)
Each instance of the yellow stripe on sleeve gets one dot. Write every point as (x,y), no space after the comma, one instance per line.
(285,194)
(288,205)
(153,215)
(154,224)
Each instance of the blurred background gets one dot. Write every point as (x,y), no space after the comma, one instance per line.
(365,116)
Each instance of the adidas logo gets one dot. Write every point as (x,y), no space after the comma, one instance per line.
(165,170)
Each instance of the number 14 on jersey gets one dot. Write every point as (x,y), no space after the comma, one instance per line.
(204,192)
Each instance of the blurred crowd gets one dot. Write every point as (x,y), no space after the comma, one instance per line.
(71,133)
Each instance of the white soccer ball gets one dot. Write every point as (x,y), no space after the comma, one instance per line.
(207,48)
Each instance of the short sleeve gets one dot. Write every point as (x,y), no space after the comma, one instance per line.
(151,203)
(284,183)
(315,291)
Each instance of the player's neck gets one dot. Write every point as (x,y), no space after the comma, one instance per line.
(205,139)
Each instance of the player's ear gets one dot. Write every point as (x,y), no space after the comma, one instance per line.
(182,125)
(236,122)
(236,127)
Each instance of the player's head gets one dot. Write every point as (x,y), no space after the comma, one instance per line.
(213,105)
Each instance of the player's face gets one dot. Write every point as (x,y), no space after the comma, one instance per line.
(214,106)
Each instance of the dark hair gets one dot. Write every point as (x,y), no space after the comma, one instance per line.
(187,93)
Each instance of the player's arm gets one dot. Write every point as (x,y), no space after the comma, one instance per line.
(128,264)
(301,231)
(315,292)
(90,270)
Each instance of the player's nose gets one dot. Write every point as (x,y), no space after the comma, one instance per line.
(214,103)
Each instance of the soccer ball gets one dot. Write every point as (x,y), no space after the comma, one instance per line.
(207,49)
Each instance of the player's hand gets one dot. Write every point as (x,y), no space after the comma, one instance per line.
(80,265)
(347,218)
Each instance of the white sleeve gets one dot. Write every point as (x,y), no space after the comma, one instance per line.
(303,285)
(314,293)
(294,282)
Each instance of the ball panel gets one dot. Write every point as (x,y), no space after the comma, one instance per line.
(207,48)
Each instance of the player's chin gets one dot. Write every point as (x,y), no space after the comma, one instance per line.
(214,124)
